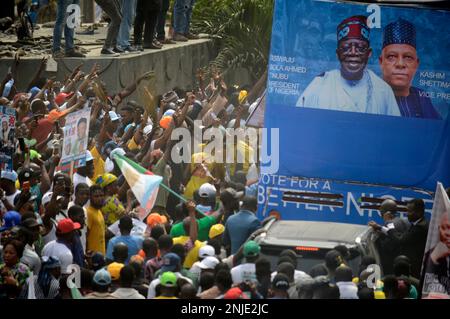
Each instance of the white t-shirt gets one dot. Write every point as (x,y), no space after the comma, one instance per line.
(51,235)
(31,259)
(243,272)
(10,200)
(61,251)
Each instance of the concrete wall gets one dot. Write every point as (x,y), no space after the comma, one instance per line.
(174,66)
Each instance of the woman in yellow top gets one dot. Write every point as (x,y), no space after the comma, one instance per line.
(198,178)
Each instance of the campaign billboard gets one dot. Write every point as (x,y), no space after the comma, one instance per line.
(360,94)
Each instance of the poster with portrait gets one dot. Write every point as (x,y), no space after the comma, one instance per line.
(360,96)
(436,261)
(76,133)
(7,138)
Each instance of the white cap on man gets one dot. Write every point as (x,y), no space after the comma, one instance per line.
(207,190)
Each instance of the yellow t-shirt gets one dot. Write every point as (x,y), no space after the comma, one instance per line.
(132,145)
(113,210)
(95,239)
(99,163)
(163,297)
(192,255)
(243,151)
(194,183)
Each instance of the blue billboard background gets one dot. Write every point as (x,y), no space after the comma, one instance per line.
(344,146)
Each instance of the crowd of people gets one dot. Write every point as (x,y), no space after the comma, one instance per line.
(78,233)
(147,18)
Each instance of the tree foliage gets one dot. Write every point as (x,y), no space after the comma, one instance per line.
(241,30)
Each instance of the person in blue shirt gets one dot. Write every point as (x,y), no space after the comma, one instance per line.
(134,243)
(241,225)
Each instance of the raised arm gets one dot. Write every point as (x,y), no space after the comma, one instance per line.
(38,73)
(193,226)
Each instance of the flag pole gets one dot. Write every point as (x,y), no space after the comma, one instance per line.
(179,197)
(167,188)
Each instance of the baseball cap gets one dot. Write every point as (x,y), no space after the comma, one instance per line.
(251,249)
(9,175)
(105,179)
(168,279)
(10,219)
(281,282)
(34,154)
(209,263)
(207,190)
(169,112)
(30,223)
(113,116)
(242,96)
(114,270)
(66,225)
(235,293)
(216,230)
(97,260)
(102,277)
(165,122)
(26,174)
(34,91)
(154,219)
(170,262)
(56,115)
(206,251)
(147,129)
(61,97)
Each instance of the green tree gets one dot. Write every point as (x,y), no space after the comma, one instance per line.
(241,30)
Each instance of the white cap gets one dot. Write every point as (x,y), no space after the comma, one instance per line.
(209,263)
(89,156)
(169,112)
(147,129)
(206,251)
(207,190)
(113,116)
(9,175)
